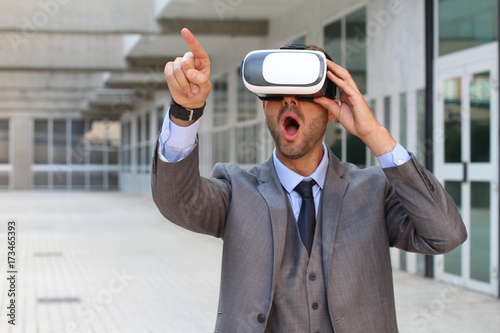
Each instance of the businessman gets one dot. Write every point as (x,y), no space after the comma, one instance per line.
(306,236)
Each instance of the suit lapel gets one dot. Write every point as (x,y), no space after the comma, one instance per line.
(276,199)
(333,194)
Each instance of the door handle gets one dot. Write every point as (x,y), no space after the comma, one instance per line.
(464,172)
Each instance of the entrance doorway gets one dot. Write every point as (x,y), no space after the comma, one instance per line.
(467,162)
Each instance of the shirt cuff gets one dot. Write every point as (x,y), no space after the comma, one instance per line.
(176,142)
(396,157)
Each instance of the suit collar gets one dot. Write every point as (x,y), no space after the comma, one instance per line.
(289,179)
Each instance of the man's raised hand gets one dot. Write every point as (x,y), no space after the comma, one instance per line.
(354,113)
(188,77)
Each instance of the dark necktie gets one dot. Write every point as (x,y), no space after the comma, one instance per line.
(307,215)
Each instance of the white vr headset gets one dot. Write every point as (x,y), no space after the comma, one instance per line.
(292,70)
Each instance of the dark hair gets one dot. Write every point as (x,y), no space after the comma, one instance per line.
(306,47)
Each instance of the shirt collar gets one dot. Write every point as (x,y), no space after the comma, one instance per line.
(290,179)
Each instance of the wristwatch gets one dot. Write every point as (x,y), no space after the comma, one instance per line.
(182,113)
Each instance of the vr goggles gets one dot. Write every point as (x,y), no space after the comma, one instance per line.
(292,70)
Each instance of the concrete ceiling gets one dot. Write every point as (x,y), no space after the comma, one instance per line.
(124,58)
(225,9)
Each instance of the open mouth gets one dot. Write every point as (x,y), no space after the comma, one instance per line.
(291,126)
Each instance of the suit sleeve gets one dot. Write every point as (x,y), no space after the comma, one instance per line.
(185,198)
(421,216)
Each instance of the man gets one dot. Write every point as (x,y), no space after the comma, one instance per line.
(274,279)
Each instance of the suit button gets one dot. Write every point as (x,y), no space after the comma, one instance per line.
(312,277)
(261,318)
(315,306)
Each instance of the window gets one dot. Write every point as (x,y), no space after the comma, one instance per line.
(79,151)
(4,152)
(403,130)
(144,149)
(246,144)
(355,59)
(247,103)
(220,95)
(220,136)
(345,42)
(126,152)
(41,143)
(464,24)
(65,149)
(4,141)
(421,140)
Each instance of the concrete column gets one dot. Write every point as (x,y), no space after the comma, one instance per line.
(22,151)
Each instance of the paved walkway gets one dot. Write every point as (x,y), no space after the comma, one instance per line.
(108,262)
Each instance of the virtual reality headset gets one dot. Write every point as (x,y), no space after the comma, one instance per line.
(293,70)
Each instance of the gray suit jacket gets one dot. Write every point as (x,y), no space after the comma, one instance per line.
(364,212)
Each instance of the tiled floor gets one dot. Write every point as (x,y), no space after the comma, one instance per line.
(108,262)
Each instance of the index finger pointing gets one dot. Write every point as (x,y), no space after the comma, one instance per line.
(193,44)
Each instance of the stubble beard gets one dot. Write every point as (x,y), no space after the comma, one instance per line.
(311,134)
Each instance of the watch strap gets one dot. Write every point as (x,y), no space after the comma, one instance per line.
(182,113)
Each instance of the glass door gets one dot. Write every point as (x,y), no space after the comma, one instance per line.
(466,161)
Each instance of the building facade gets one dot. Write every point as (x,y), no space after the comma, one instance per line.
(84,99)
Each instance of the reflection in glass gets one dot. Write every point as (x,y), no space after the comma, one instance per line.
(464,24)
(453,120)
(453,259)
(480,232)
(480,93)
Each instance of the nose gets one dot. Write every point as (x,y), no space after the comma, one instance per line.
(290,100)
